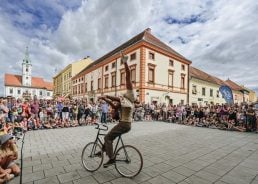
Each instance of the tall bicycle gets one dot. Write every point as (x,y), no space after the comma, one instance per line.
(128,159)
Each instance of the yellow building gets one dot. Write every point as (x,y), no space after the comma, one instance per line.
(252,94)
(204,88)
(62,81)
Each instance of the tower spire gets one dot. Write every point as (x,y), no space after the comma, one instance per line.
(26,69)
(26,56)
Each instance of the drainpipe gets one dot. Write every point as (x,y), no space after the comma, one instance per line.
(188,85)
(116,80)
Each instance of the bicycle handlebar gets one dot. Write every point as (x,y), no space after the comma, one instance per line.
(98,127)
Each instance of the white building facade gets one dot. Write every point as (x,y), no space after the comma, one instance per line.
(158,73)
(26,86)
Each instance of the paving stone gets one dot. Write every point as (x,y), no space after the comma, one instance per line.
(60,163)
(207,176)
(84,173)
(50,180)
(123,180)
(31,163)
(73,167)
(85,180)
(42,167)
(173,176)
(32,176)
(102,177)
(48,160)
(68,177)
(196,180)
(141,177)
(54,171)
(184,171)
(220,182)
(160,180)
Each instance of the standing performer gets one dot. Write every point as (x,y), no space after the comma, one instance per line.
(126,106)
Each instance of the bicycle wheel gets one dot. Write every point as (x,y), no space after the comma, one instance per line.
(90,160)
(129,161)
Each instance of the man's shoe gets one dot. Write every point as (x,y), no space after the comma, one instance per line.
(109,163)
(98,154)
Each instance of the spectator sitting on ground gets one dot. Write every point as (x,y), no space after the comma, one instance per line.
(5,175)
(9,152)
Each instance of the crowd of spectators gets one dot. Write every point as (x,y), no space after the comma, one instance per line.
(225,117)
(18,116)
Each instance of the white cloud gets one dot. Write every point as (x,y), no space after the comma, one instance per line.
(220,37)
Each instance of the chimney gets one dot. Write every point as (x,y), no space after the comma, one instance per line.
(148,30)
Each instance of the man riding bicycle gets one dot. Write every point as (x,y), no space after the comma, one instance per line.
(126,104)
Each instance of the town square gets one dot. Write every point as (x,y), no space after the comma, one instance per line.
(148,92)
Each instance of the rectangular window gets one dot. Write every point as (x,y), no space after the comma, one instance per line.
(82,87)
(106,81)
(203,91)
(211,92)
(151,56)
(133,56)
(183,67)
(48,94)
(170,78)
(99,83)
(194,90)
(86,87)
(79,88)
(19,91)
(182,102)
(183,82)
(114,65)
(171,62)
(217,93)
(133,75)
(91,85)
(122,77)
(40,93)
(106,68)
(113,80)
(151,75)
(11,91)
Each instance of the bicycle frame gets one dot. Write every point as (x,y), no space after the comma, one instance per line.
(102,144)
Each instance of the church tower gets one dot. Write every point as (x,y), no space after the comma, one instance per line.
(26,69)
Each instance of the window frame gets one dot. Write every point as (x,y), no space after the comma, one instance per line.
(151,55)
(106,77)
(133,56)
(171,73)
(203,91)
(113,79)
(151,67)
(171,61)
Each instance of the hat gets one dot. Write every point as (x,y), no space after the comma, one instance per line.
(5,138)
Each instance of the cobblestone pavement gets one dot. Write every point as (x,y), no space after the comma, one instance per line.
(172,154)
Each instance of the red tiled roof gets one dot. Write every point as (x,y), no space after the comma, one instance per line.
(37,82)
(233,85)
(199,74)
(143,36)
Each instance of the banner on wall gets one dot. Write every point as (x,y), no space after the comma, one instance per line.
(227,94)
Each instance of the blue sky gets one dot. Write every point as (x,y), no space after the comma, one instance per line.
(219,37)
